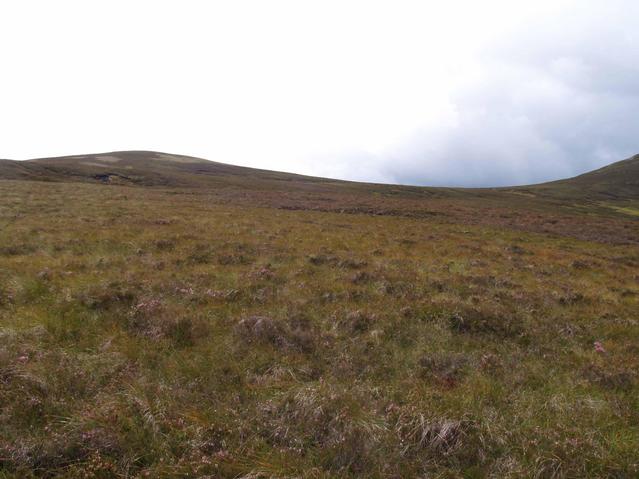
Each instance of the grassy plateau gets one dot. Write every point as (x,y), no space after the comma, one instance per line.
(163,316)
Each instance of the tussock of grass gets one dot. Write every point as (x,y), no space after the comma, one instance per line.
(151,333)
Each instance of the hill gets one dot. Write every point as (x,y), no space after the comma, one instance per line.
(142,168)
(618,181)
(587,206)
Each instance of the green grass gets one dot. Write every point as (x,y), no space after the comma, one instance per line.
(180,333)
(626,210)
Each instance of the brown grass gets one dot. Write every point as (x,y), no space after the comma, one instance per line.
(181,333)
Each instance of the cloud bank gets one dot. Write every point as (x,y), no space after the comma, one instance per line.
(549,100)
(458,93)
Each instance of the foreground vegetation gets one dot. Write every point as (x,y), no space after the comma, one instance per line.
(167,333)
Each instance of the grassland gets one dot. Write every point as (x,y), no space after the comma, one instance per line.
(315,333)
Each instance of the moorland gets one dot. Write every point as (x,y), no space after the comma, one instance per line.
(165,316)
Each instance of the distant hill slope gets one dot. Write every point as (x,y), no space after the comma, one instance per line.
(619,181)
(144,168)
(588,207)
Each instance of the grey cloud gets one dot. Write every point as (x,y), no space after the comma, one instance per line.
(553,100)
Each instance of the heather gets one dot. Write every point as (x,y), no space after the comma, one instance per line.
(168,332)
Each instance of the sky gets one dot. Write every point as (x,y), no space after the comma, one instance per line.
(455,93)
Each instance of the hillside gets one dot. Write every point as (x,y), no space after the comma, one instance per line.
(618,181)
(164,316)
(589,206)
(142,168)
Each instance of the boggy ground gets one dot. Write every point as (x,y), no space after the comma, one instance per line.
(151,333)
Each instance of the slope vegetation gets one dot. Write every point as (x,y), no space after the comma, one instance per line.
(163,316)
(142,168)
(619,181)
(151,332)
(590,206)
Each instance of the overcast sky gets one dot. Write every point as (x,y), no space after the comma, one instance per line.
(433,93)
